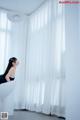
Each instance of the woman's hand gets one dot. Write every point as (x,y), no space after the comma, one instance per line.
(7,78)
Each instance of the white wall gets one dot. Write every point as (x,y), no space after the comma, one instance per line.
(72,62)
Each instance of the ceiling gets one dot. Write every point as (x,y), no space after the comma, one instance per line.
(23,6)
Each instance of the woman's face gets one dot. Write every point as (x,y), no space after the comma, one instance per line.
(15,63)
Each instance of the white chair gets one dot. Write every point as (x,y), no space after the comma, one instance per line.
(6,97)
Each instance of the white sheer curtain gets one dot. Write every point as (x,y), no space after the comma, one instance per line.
(45,60)
(5,37)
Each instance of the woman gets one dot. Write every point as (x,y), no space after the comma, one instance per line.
(10,71)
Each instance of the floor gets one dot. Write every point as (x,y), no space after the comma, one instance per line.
(26,115)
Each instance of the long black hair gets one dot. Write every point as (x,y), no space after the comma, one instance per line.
(10,64)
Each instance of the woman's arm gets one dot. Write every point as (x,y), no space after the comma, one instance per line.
(10,73)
